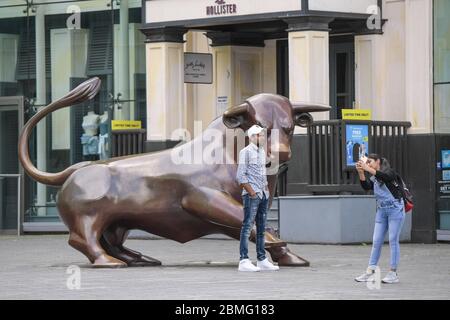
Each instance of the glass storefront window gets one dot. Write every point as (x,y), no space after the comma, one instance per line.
(442,107)
(48,49)
(442,66)
(441,41)
(442,95)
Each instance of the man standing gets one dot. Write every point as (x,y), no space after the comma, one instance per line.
(251,176)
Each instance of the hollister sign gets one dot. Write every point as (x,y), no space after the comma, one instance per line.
(222,8)
(159,11)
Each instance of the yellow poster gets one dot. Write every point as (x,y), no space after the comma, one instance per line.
(356,114)
(125,124)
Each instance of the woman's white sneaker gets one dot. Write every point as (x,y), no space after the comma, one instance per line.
(247,266)
(368,276)
(391,277)
(266,265)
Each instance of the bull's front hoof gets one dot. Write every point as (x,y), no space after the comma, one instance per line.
(290,259)
(144,261)
(285,258)
(275,244)
(271,240)
(105,261)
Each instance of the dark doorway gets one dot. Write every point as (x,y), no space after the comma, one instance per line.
(342,74)
(283,68)
(11,200)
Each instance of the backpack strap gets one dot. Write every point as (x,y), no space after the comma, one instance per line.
(402,187)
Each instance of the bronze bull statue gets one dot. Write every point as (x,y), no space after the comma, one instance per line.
(100,201)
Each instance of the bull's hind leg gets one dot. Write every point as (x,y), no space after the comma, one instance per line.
(84,237)
(283,256)
(279,253)
(219,208)
(112,240)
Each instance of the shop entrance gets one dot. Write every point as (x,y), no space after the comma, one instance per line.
(11,199)
(283,67)
(342,74)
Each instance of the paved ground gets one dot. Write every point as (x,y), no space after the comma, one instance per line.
(34,267)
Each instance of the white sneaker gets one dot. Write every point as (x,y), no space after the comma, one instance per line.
(391,277)
(368,276)
(266,265)
(247,266)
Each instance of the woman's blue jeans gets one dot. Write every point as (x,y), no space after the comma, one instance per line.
(254,209)
(390,217)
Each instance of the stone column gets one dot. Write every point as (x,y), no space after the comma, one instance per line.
(370,60)
(309,75)
(238,64)
(41,129)
(165,87)
(124,62)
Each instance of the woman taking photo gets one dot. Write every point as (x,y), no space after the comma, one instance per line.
(390,213)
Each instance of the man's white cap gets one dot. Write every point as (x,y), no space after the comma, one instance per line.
(254,130)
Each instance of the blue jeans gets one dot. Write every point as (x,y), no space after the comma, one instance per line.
(254,209)
(390,217)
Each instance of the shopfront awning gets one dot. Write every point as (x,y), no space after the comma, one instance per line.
(267,17)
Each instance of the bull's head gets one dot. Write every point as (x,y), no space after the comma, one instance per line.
(273,112)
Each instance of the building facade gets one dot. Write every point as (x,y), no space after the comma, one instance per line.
(392,57)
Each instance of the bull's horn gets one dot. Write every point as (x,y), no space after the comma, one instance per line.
(236,116)
(303,107)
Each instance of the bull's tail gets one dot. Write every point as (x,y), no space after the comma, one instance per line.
(85,91)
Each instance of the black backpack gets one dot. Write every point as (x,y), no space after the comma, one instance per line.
(406,194)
